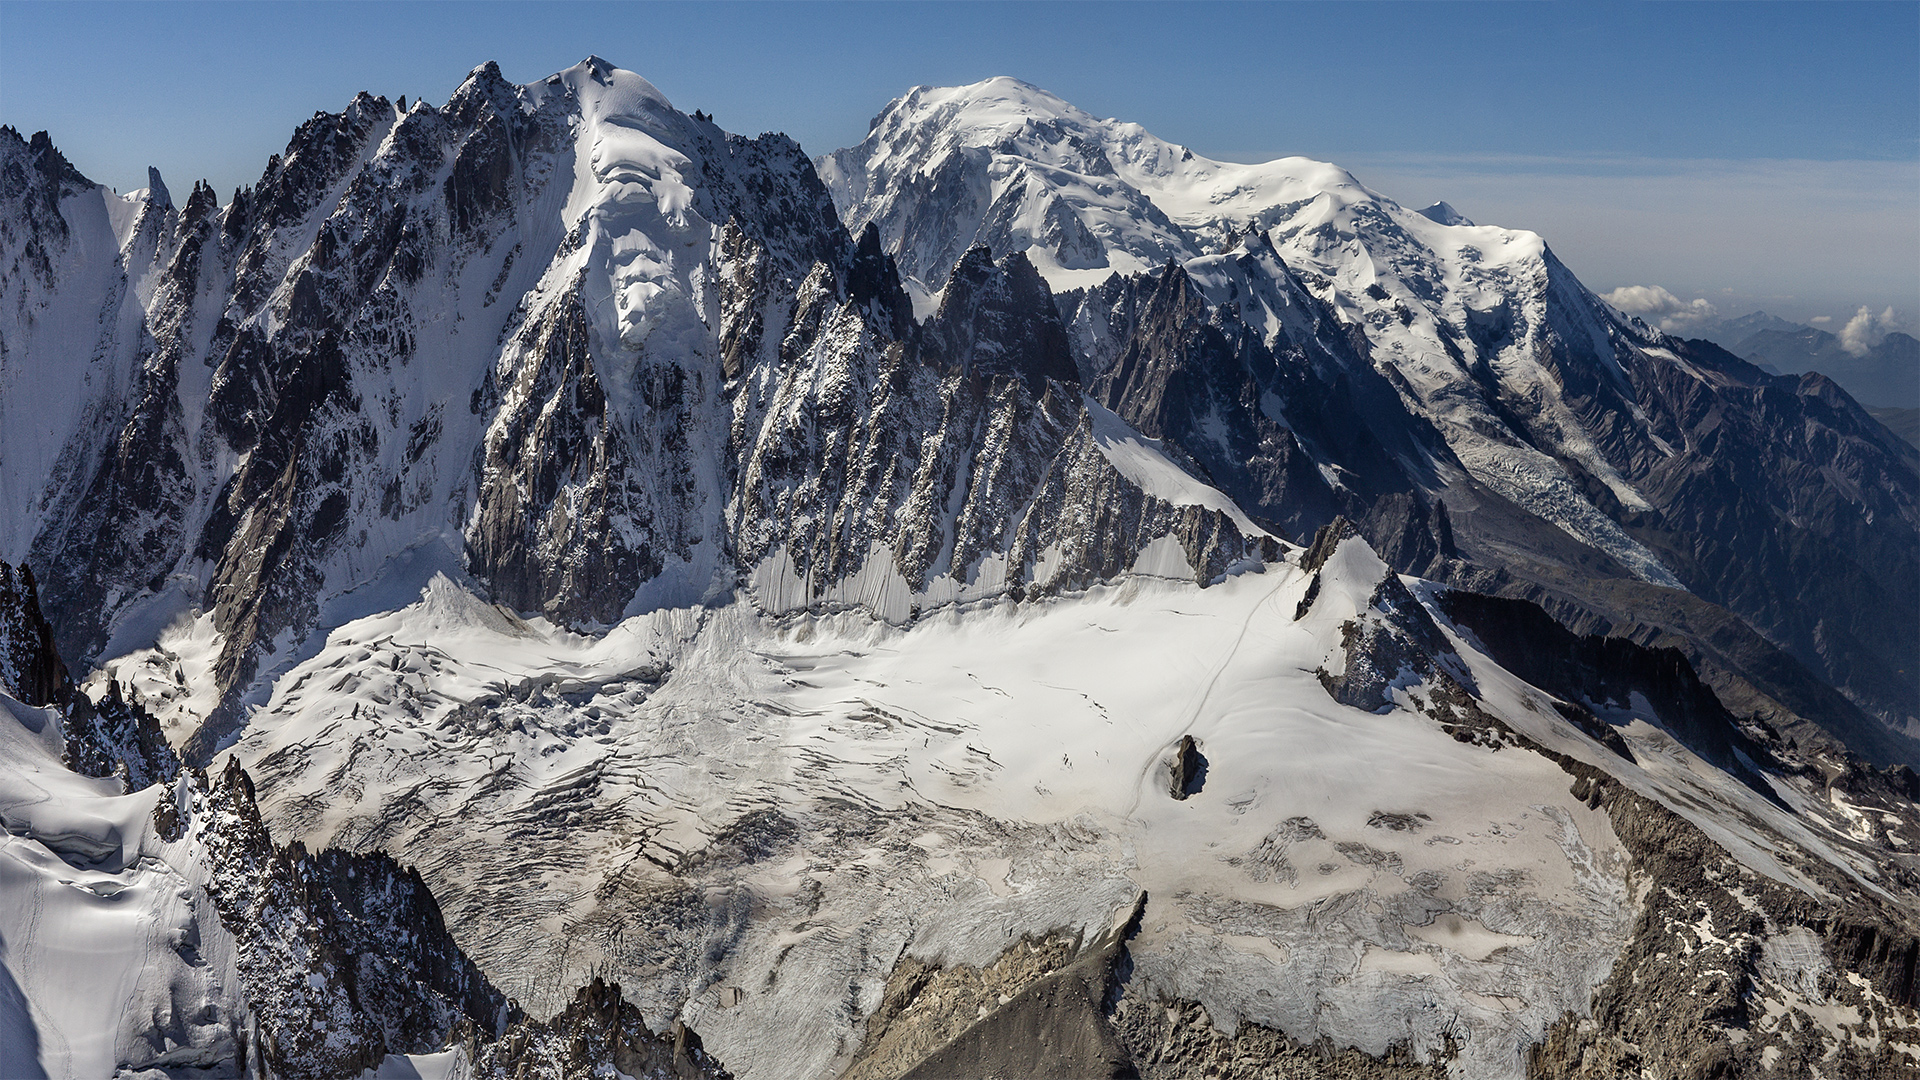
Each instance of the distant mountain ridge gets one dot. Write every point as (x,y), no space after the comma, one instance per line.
(1886,375)
(1728,333)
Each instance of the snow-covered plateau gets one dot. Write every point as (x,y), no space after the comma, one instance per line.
(544,587)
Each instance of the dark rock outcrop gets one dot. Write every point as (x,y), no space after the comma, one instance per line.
(597,1031)
(999,319)
(1186,769)
(30,665)
(113,736)
(966,440)
(1040,1010)
(1743,1004)
(1588,672)
(117,737)
(345,957)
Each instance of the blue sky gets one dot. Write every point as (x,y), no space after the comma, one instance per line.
(1761,154)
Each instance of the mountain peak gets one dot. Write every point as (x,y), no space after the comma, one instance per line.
(999,102)
(157,193)
(1443,213)
(998,318)
(610,89)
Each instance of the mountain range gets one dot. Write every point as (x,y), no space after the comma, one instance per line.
(1884,375)
(480,585)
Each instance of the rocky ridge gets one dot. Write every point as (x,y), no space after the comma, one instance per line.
(426,341)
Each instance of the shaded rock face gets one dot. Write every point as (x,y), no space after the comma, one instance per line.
(562,476)
(1592,672)
(1187,769)
(30,666)
(1040,1009)
(1268,420)
(1393,640)
(344,957)
(1060,1006)
(596,1031)
(999,319)
(1788,504)
(1745,1003)
(115,736)
(109,737)
(1390,643)
(967,440)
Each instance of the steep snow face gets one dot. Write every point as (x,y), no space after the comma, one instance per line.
(1460,312)
(69,343)
(612,380)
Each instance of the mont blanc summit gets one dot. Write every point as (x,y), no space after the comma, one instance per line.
(471,600)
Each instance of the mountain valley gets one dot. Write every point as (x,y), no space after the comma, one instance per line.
(469,600)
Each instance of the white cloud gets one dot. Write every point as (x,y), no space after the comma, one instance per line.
(1661,308)
(1865,330)
(1821,320)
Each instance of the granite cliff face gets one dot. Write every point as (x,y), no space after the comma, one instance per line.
(537,573)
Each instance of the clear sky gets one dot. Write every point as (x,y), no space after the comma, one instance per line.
(1751,154)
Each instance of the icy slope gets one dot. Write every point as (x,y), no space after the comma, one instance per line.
(109,951)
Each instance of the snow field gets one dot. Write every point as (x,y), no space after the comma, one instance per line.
(1005,765)
(106,956)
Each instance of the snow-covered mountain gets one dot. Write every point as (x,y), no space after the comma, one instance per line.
(1673,478)
(551,521)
